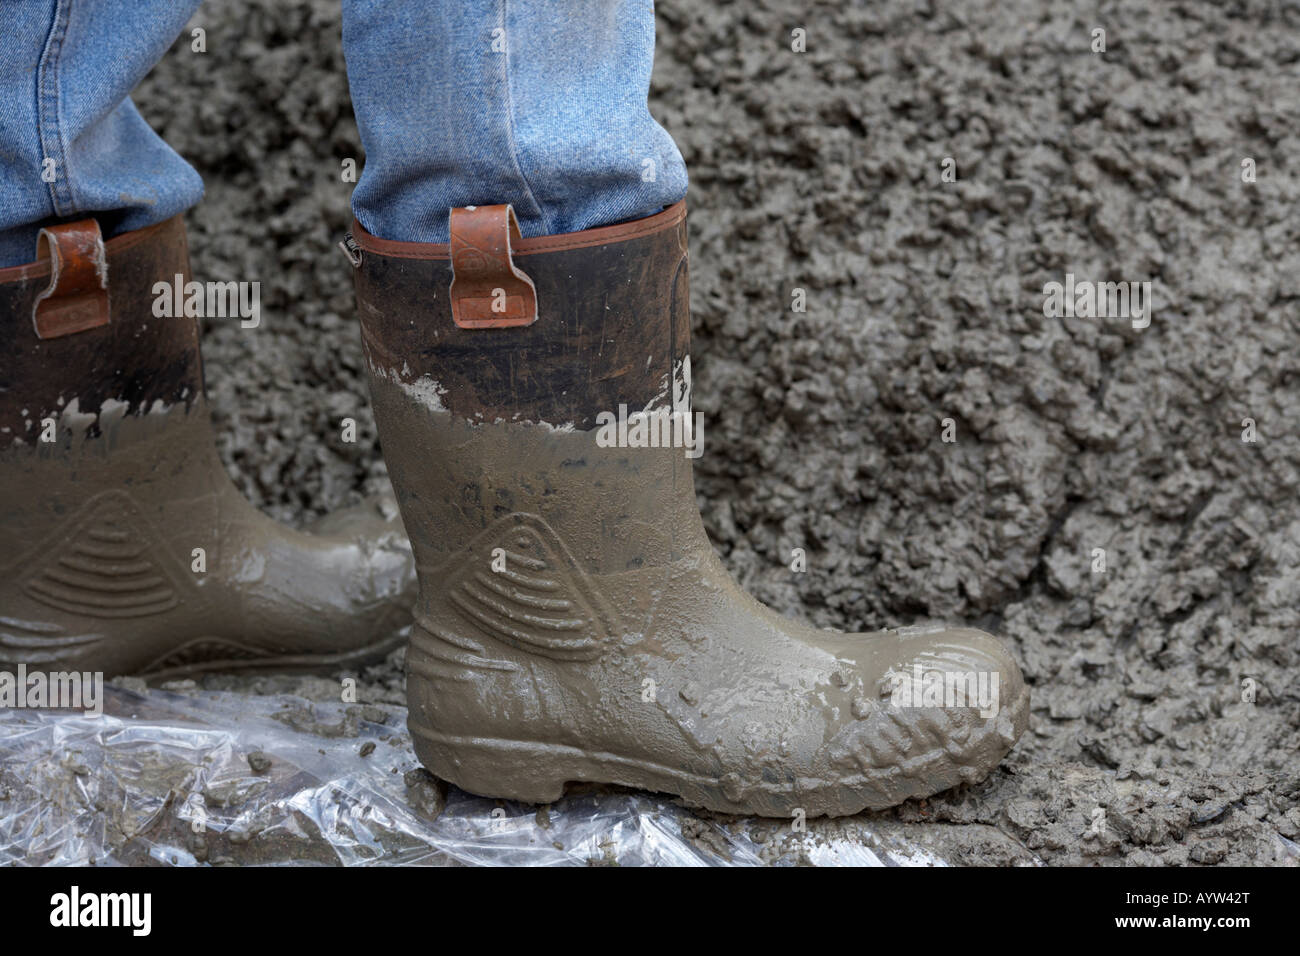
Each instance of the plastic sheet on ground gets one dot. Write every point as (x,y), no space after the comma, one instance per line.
(217,778)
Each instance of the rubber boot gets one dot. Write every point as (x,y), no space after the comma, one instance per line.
(124,547)
(573,623)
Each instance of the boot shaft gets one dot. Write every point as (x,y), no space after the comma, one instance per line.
(107,399)
(490,423)
(132,361)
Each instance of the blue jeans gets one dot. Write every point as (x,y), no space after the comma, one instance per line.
(538,103)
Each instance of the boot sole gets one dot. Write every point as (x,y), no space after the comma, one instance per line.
(538,773)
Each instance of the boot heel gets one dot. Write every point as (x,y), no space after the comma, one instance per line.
(496,768)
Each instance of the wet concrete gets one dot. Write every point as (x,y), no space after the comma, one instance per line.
(822,171)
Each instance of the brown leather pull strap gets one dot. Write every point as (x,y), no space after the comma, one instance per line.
(77,297)
(487,290)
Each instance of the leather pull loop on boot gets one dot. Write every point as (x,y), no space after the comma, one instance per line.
(488,291)
(77,297)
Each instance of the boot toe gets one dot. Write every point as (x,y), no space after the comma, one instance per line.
(373,540)
(947,708)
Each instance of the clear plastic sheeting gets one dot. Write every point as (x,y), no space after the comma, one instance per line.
(218,778)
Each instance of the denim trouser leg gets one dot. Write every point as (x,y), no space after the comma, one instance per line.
(71,140)
(538,103)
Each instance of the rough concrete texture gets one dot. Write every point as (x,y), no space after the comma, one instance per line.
(822,171)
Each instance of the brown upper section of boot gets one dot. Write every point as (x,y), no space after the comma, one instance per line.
(613,319)
(134,357)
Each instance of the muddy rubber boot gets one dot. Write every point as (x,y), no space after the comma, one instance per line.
(573,622)
(124,547)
